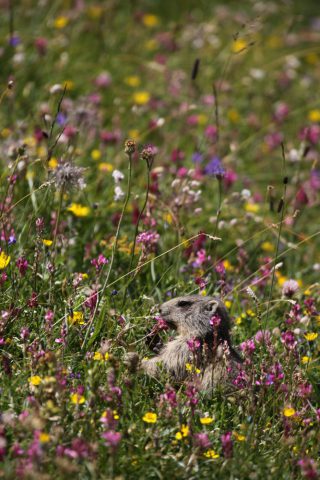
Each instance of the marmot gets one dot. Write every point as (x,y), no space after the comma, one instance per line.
(203,340)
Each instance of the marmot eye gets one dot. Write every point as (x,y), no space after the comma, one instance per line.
(184,303)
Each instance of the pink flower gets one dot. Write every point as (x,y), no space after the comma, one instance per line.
(227,444)
(112,439)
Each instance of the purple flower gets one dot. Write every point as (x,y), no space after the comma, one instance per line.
(227,444)
(215,168)
(112,439)
(197,157)
(202,440)
(288,339)
(308,468)
(193,344)
(290,287)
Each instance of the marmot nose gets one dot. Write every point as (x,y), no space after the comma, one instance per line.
(160,310)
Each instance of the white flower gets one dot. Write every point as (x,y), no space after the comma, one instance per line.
(117,176)
(118,194)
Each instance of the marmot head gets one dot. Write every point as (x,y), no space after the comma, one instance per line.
(191,315)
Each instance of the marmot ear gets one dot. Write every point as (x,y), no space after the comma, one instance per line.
(211,306)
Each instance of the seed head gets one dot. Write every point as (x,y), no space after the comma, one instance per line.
(130,147)
(148,153)
(68,177)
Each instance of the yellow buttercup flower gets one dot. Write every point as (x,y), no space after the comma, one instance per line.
(150,417)
(47,243)
(99,357)
(77,399)
(35,380)
(252,207)
(77,317)
(228,304)
(267,247)
(211,454)
(239,45)
(311,336)
(61,22)
(206,420)
(289,412)
(141,98)
(44,437)
(314,116)
(4,260)
(305,360)
(79,210)
(53,163)
(239,437)
(96,154)
(150,20)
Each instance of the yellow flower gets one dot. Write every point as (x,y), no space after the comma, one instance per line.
(239,437)
(105,167)
(314,116)
(227,265)
(252,207)
(141,97)
(35,380)
(99,357)
(233,115)
(77,317)
(192,368)
(44,437)
(206,420)
(115,415)
(305,360)
(4,260)
(79,210)
(167,217)
(96,154)
(289,412)
(5,132)
(47,243)
(203,292)
(202,119)
(132,81)
(267,247)
(150,20)
(239,45)
(238,321)
(311,336)
(281,279)
(185,430)
(211,454)
(178,436)
(61,22)
(42,151)
(312,58)
(69,84)
(151,44)
(150,417)
(228,304)
(53,163)
(77,399)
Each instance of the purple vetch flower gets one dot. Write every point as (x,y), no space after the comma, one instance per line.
(148,238)
(215,168)
(193,344)
(202,440)
(14,40)
(308,468)
(289,340)
(22,265)
(197,157)
(248,347)
(215,321)
(112,439)
(227,444)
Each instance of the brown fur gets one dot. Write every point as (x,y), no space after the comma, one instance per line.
(190,317)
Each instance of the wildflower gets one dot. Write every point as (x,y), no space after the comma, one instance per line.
(305,360)
(239,437)
(288,339)
(44,437)
(4,260)
(105,167)
(35,380)
(77,399)
(98,356)
(308,468)
(47,243)
(289,412)
(150,417)
(211,454)
(130,147)
(96,154)
(215,168)
(148,153)
(206,420)
(150,20)
(227,444)
(193,344)
(112,438)
(22,265)
(141,98)
(76,317)
(117,176)
(68,177)
(202,440)
(61,22)
(267,247)
(99,262)
(239,45)
(183,432)
(118,193)
(79,210)
(311,336)
(314,116)
(289,288)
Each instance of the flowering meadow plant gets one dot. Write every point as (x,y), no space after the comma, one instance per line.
(150,150)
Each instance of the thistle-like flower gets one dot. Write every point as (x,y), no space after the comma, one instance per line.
(130,147)
(68,177)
